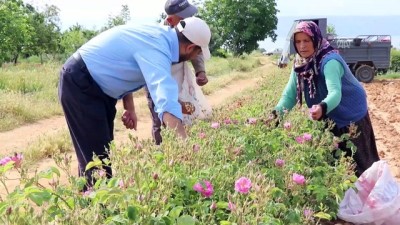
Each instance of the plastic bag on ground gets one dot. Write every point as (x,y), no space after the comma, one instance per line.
(376,200)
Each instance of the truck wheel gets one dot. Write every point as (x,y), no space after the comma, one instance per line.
(365,73)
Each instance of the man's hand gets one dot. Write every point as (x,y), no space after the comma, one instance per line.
(201,78)
(174,123)
(129,119)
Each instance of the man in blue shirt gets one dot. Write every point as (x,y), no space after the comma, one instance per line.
(116,63)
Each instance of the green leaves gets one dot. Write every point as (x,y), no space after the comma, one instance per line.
(175,212)
(132,213)
(239,25)
(37,195)
(186,220)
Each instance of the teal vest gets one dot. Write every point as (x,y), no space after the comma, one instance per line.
(352,106)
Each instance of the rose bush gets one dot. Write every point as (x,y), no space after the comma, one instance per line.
(235,169)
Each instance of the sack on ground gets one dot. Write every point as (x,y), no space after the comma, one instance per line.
(375,200)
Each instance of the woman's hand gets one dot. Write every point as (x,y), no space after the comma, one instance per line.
(316,112)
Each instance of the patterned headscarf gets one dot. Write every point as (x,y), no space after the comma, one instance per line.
(307,68)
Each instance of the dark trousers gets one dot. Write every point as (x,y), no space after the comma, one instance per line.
(156,128)
(89,113)
(366,153)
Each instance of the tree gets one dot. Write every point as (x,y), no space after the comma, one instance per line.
(71,40)
(162,17)
(240,23)
(74,38)
(331,29)
(46,33)
(15,32)
(122,18)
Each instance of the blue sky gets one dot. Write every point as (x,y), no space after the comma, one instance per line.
(94,13)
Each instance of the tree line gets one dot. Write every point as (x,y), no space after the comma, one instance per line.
(27,30)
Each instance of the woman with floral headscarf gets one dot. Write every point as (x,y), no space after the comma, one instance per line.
(330,91)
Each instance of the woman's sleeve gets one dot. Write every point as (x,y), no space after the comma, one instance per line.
(288,99)
(333,71)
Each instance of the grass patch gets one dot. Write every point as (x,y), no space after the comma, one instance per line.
(49,146)
(389,75)
(28,91)
(18,108)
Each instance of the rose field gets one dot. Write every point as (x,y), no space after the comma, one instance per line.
(238,167)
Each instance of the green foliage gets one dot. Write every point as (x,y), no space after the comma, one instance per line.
(239,24)
(331,29)
(220,53)
(72,40)
(45,31)
(122,18)
(395,60)
(154,184)
(27,31)
(15,31)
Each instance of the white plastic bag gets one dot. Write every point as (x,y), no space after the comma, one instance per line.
(377,200)
(190,92)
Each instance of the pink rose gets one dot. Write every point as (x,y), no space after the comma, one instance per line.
(299,179)
(213,206)
(227,121)
(251,120)
(205,189)
(287,125)
(243,185)
(308,213)
(5,160)
(231,206)
(202,135)
(196,148)
(215,125)
(300,139)
(279,162)
(307,137)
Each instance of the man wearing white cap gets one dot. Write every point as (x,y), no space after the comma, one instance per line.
(116,63)
(189,93)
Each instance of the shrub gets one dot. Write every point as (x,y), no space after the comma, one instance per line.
(235,169)
(395,60)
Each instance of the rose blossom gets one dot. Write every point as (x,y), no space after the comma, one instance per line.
(287,125)
(279,162)
(243,185)
(298,179)
(215,125)
(206,191)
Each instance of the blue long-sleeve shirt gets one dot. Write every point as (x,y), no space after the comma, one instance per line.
(126,58)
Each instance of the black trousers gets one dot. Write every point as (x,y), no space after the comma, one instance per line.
(156,127)
(366,153)
(89,113)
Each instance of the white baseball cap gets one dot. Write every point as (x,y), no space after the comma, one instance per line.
(198,32)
